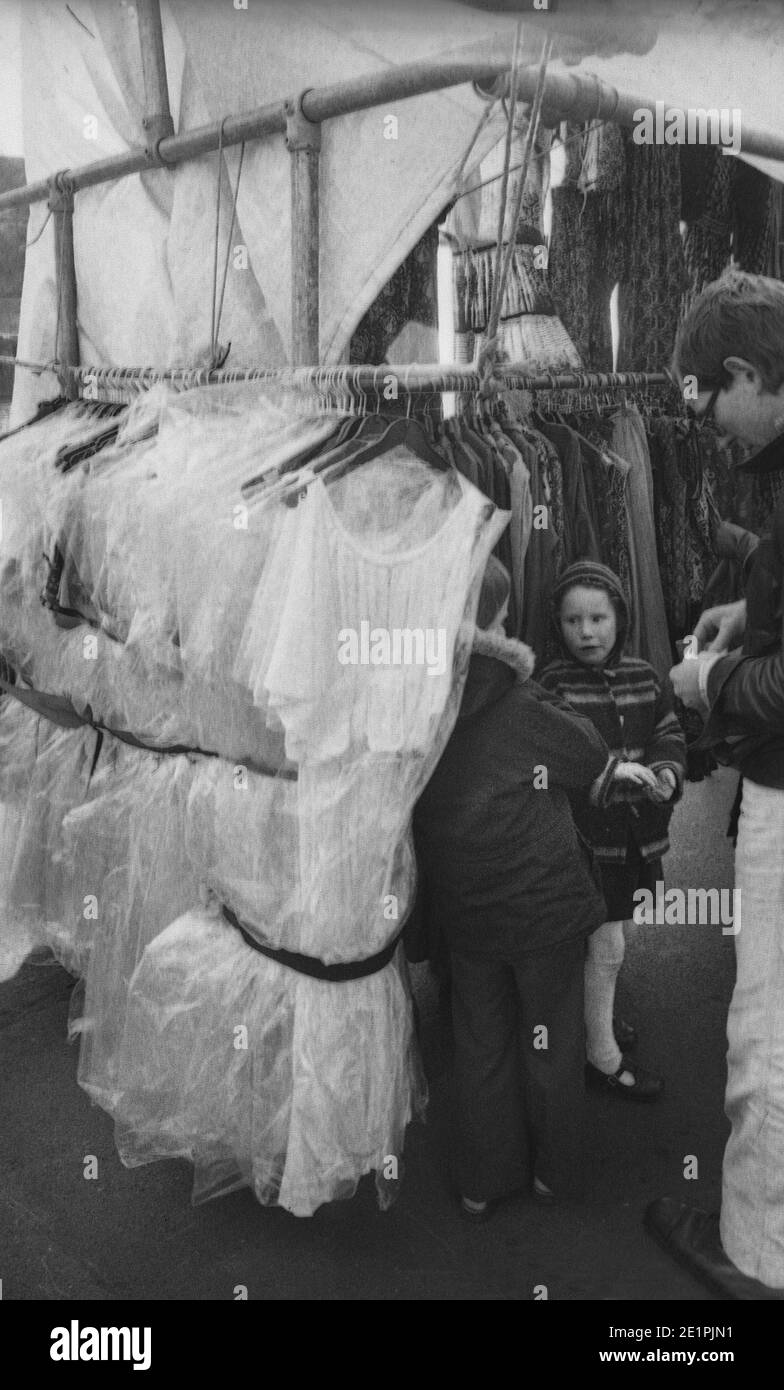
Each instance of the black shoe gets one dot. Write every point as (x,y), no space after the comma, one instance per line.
(625,1034)
(477,1214)
(646,1085)
(692,1237)
(542,1194)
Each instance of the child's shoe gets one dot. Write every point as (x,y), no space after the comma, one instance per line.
(645,1086)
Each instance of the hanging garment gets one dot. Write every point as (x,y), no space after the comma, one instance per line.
(323,582)
(654,276)
(580,539)
(754,223)
(331,1080)
(315,861)
(730,211)
(685,521)
(401,325)
(544,557)
(706,182)
(628,440)
(586,242)
(519,531)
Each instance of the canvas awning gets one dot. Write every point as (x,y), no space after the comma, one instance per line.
(144,244)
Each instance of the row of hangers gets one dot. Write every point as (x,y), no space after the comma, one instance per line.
(368,433)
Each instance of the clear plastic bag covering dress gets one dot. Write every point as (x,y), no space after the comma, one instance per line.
(319,650)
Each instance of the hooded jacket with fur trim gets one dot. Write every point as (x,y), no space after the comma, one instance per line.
(505,869)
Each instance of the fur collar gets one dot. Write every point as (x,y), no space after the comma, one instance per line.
(505,649)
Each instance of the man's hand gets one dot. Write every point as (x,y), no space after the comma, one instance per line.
(686,680)
(721,628)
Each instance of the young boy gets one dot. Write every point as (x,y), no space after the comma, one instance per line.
(514,897)
(634,712)
(731,349)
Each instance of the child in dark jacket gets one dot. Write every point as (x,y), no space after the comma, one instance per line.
(633,710)
(513,894)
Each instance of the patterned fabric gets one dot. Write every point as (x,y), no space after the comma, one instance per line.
(686,521)
(754,209)
(706,208)
(655,276)
(526,290)
(586,245)
(730,208)
(409,297)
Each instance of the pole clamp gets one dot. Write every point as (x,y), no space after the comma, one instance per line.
(61,192)
(301,134)
(156,128)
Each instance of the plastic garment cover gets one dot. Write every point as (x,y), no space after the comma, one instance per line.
(320,649)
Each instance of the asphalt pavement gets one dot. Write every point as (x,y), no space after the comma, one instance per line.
(133,1233)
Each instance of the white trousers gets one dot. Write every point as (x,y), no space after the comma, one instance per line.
(752,1206)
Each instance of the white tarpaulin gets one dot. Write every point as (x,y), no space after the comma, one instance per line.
(144,244)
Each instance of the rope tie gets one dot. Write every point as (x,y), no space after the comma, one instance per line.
(488,357)
(219,352)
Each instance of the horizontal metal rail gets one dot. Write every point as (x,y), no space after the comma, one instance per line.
(566,96)
(425,376)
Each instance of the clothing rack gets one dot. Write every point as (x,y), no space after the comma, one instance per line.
(409,379)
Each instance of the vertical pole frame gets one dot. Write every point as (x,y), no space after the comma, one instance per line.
(157,122)
(303,141)
(66,348)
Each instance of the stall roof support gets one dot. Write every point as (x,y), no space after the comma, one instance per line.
(303,140)
(66,347)
(566,96)
(158,123)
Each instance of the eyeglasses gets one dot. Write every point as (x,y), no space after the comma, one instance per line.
(705,416)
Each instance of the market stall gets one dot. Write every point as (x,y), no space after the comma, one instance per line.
(206,810)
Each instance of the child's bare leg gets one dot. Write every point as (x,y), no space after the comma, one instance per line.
(606,948)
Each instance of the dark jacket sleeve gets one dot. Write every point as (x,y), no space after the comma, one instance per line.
(748,691)
(565,743)
(736,543)
(667,748)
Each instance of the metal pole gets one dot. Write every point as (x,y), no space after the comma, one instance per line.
(66,348)
(565,97)
(157,121)
(303,140)
(428,377)
(339,100)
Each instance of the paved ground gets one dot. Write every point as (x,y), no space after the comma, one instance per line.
(134,1234)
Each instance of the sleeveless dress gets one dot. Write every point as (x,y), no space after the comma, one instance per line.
(302,666)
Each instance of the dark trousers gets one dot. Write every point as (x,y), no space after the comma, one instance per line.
(520,1091)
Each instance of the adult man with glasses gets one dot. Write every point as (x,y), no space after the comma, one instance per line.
(732,343)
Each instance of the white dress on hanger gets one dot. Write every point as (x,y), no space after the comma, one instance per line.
(259,1073)
(326,644)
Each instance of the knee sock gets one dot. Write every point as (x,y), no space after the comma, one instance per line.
(605,957)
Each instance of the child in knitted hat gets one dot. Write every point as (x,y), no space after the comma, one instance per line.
(633,710)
